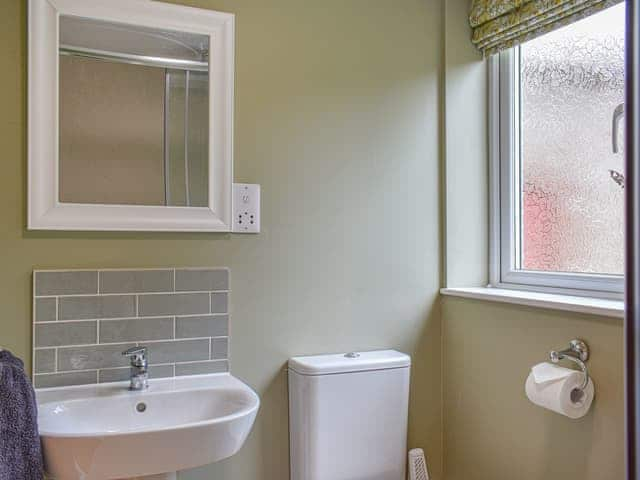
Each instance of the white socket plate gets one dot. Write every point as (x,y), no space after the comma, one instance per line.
(246,208)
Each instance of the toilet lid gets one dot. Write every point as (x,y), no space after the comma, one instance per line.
(349,362)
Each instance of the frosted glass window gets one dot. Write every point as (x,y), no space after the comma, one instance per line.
(572,209)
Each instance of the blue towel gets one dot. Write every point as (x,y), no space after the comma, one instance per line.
(20,451)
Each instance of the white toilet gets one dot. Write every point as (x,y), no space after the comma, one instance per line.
(348,416)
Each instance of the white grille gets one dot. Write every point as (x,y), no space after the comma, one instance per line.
(417,465)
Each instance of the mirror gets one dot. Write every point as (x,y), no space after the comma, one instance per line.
(128,85)
(133,113)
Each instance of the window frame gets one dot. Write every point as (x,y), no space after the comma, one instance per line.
(504,152)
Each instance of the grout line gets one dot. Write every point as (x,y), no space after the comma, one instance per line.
(120,319)
(174,279)
(210,349)
(98,332)
(154,365)
(65,270)
(126,269)
(192,315)
(176,339)
(106,344)
(55,359)
(112,368)
(174,327)
(129,294)
(57,308)
(134,269)
(210,303)
(65,295)
(97,370)
(58,322)
(137,305)
(148,340)
(108,319)
(61,372)
(139,340)
(202,361)
(150,317)
(99,283)
(125,342)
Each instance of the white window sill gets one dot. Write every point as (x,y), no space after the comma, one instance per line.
(595,306)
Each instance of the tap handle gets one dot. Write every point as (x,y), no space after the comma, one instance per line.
(138,355)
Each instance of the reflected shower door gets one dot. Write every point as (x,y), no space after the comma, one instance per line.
(186,138)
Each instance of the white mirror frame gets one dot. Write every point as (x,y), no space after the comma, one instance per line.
(45,211)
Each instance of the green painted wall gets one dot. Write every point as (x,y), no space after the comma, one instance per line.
(337,118)
(465,144)
(492,431)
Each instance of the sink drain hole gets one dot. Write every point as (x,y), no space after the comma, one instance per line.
(141,407)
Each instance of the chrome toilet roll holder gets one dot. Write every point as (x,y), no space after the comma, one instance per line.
(578,353)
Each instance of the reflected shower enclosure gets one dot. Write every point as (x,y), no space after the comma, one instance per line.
(134,115)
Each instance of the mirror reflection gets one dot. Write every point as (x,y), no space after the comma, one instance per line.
(134,115)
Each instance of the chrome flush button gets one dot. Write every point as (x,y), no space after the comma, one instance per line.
(352,355)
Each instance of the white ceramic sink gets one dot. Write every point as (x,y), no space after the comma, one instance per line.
(96,432)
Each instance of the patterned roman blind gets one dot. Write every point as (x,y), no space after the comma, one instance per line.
(501,24)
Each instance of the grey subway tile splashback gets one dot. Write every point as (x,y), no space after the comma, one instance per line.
(173,304)
(65,379)
(65,333)
(136,281)
(219,303)
(161,371)
(93,357)
(122,374)
(107,375)
(45,360)
(70,282)
(178,351)
(201,368)
(195,280)
(136,329)
(98,306)
(84,319)
(219,348)
(45,309)
(202,326)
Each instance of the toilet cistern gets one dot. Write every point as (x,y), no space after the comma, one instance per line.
(139,376)
(348,415)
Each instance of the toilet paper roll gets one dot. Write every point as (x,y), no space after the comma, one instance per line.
(561,395)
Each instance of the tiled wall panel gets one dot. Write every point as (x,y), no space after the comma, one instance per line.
(84,319)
